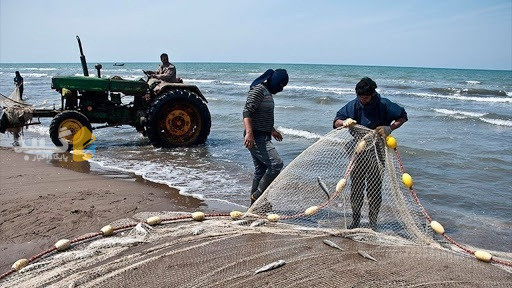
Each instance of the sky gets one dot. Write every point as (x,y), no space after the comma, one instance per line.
(466,34)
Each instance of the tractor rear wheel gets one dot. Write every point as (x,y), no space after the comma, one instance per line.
(178,118)
(66,127)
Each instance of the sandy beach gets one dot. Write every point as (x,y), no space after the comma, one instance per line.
(42,203)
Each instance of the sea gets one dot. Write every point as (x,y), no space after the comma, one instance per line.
(457,144)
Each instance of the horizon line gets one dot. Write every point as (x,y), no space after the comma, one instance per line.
(275,63)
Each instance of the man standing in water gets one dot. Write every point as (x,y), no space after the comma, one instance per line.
(258,117)
(18,81)
(374,112)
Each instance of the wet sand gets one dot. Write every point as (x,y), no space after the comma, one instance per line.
(42,203)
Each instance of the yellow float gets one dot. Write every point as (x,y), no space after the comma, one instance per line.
(407,180)
(437,227)
(62,244)
(235,215)
(198,216)
(311,210)
(273,217)
(155,220)
(107,230)
(483,256)
(391,142)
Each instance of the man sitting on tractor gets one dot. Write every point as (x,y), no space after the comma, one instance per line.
(166,71)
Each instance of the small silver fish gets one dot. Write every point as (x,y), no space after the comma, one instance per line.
(258,223)
(198,231)
(270,266)
(332,244)
(323,186)
(366,255)
(242,222)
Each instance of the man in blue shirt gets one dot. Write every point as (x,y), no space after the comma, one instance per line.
(374,112)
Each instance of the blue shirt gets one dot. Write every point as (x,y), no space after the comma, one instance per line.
(379,112)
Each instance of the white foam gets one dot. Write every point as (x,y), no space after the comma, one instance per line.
(39,129)
(335,90)
(498,122)
(197,181)
(31,68)
(35,75)
(298,133)
(465,98)
(457,112)
(464,115)
(235,83)
(473,82)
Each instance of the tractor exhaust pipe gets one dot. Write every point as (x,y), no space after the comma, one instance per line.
(82,57)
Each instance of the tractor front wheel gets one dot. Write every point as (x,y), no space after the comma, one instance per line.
(178,118)
(66,129)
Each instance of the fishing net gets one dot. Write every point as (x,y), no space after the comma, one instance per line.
(300,233)
(354,181)
(15,113)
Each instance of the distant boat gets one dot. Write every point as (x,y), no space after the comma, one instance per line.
(118,64)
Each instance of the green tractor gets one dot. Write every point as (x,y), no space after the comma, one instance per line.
(169,114)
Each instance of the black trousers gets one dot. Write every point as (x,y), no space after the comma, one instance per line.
(366,174)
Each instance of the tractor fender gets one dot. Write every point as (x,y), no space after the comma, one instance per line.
(163,87)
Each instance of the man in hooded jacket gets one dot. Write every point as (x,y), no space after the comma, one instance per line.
(258,118)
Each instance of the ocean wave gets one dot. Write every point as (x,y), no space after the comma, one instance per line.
(472,82)
(324,100)
(197,182)
(498,122)
(35,75)
(298,133)
(335,90)
(399,87)
(30,69)
(457,114)
(468,91)
(464,98)
(235,83)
